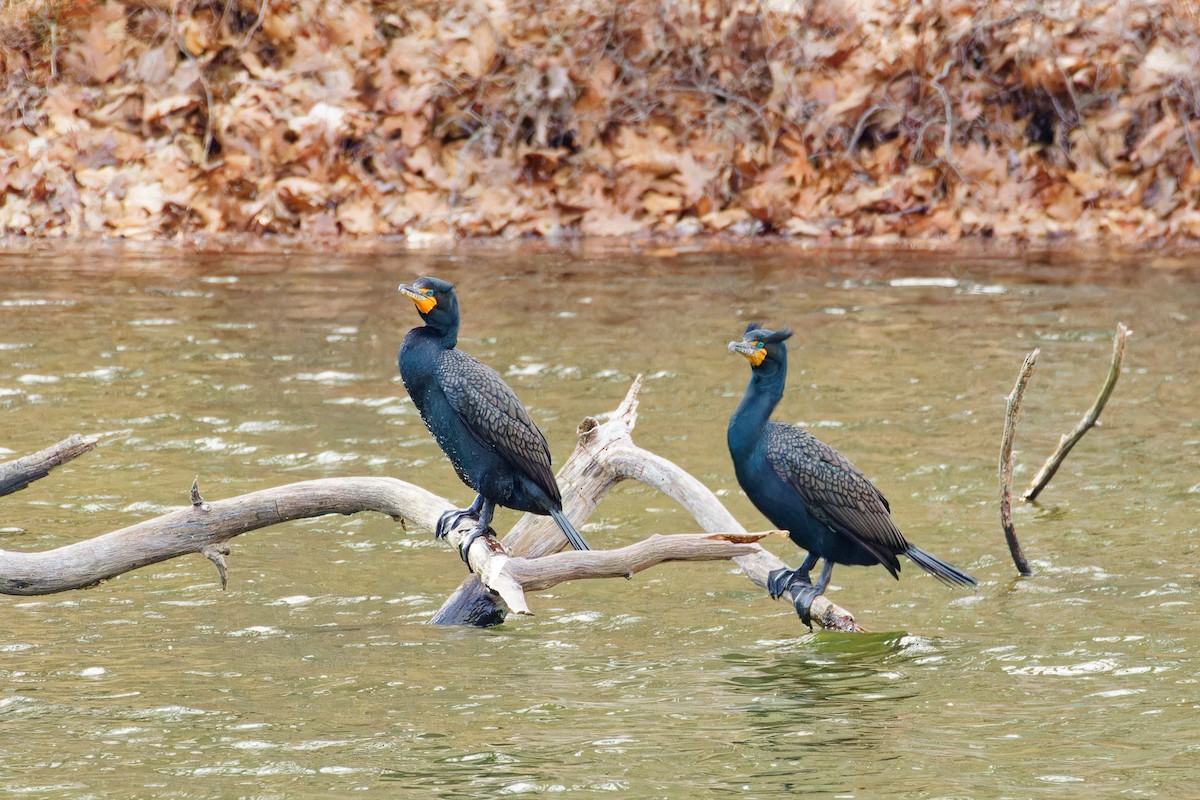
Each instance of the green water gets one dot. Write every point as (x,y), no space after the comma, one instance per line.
(315,674)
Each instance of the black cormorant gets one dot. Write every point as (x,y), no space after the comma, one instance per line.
(477,420)
(806,487)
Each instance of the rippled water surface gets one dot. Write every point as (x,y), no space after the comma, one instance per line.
(315,675)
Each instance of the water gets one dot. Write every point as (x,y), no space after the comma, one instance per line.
(316,675)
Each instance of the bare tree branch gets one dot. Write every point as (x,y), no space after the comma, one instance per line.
(19,473)
(206,528)
(1069,440)
(1006,462)
(528,560)
(512,576)
(209,524)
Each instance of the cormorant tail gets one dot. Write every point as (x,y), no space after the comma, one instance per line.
(946,573)
(568,530)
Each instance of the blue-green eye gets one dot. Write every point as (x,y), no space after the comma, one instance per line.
(429,292)
(760,345)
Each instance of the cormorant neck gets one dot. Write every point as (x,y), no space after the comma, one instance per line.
(446,334)
(442,320)
(763,393)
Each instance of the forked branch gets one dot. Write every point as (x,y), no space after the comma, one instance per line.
(1069,440)
(206,527)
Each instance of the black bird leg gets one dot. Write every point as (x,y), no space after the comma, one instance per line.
(804,598)
(447,521)
(486,511)
(779,581)
(469,539)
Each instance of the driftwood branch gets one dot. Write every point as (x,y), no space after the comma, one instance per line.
(527,561)
(604,456)
(1069,440)
(206,528)
(512,576)
(1006,462)
(20,472)
(195,528)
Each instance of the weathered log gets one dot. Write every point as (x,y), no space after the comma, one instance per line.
(20,472)
(206,527)
(511,576)
(604,456)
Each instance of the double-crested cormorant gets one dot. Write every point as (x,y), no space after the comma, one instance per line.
(806,487)
(477,420)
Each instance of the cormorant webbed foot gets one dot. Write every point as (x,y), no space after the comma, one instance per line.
(779,581)
(447,521)
(804,601)
(465,549)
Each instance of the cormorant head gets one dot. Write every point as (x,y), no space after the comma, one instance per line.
(763,348)
(435,301)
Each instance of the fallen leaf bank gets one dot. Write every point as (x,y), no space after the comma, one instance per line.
(882,120)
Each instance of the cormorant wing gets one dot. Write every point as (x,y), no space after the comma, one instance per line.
(835,491)
(496,417)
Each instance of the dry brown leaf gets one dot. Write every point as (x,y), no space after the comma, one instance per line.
(168,105)
(609,222)
(657,204)
(693,176)
(96,56)
(360,217)
(301,194)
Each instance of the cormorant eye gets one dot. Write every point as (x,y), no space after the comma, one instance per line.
(760,345)
(429,292)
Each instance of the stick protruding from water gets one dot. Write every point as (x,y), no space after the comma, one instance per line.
(1069,440)
(1006,462)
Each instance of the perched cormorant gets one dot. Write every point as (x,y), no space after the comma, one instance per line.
(476,419)
(806,487)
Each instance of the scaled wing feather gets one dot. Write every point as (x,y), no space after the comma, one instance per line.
(496,417)
(834,491)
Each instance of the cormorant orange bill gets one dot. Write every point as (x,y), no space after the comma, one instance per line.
(422,299)
(754,352)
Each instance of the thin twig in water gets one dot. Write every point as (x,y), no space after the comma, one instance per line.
(1069,440)
(1006,462)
